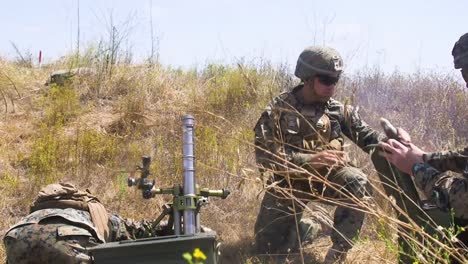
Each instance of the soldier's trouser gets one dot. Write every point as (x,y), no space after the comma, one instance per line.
(276,229)
(51,241)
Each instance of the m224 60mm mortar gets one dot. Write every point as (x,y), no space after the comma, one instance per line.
(183,232)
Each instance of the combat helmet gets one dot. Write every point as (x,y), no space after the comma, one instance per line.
(460,52)
(318,60)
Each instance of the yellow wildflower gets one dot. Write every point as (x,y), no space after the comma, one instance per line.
(197,253)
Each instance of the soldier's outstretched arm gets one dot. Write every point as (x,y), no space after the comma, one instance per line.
(403,156)
(359,131)
(442,161)
(446,190)
(448,160)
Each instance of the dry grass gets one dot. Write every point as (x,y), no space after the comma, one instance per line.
(94,132)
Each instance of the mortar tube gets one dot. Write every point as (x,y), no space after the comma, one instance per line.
(189,215)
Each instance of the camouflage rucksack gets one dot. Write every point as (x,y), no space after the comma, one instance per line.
(66,195)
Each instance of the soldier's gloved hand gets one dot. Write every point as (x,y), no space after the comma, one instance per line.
(404,157)
(325,158)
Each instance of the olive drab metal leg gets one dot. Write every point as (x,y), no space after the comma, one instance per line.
(402,188)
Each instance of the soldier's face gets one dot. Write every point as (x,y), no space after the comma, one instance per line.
(464,72)
(325,86)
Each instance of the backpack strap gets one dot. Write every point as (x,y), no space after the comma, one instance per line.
(100,218)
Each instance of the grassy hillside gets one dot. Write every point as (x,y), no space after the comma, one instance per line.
(94,130)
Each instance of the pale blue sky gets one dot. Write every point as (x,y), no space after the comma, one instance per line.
(408,35)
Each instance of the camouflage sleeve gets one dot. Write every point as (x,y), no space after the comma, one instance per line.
(129,229)
(448,160)
(357,130)
(448,192)
(264,140)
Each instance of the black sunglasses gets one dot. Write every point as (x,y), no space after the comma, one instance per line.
(327,80)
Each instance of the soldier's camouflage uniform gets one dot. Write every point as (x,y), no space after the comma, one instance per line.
(287,131)
(448,192)
(55,235)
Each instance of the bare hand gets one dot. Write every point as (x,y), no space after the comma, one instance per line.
(403,136)
(327,158)
(402,156)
